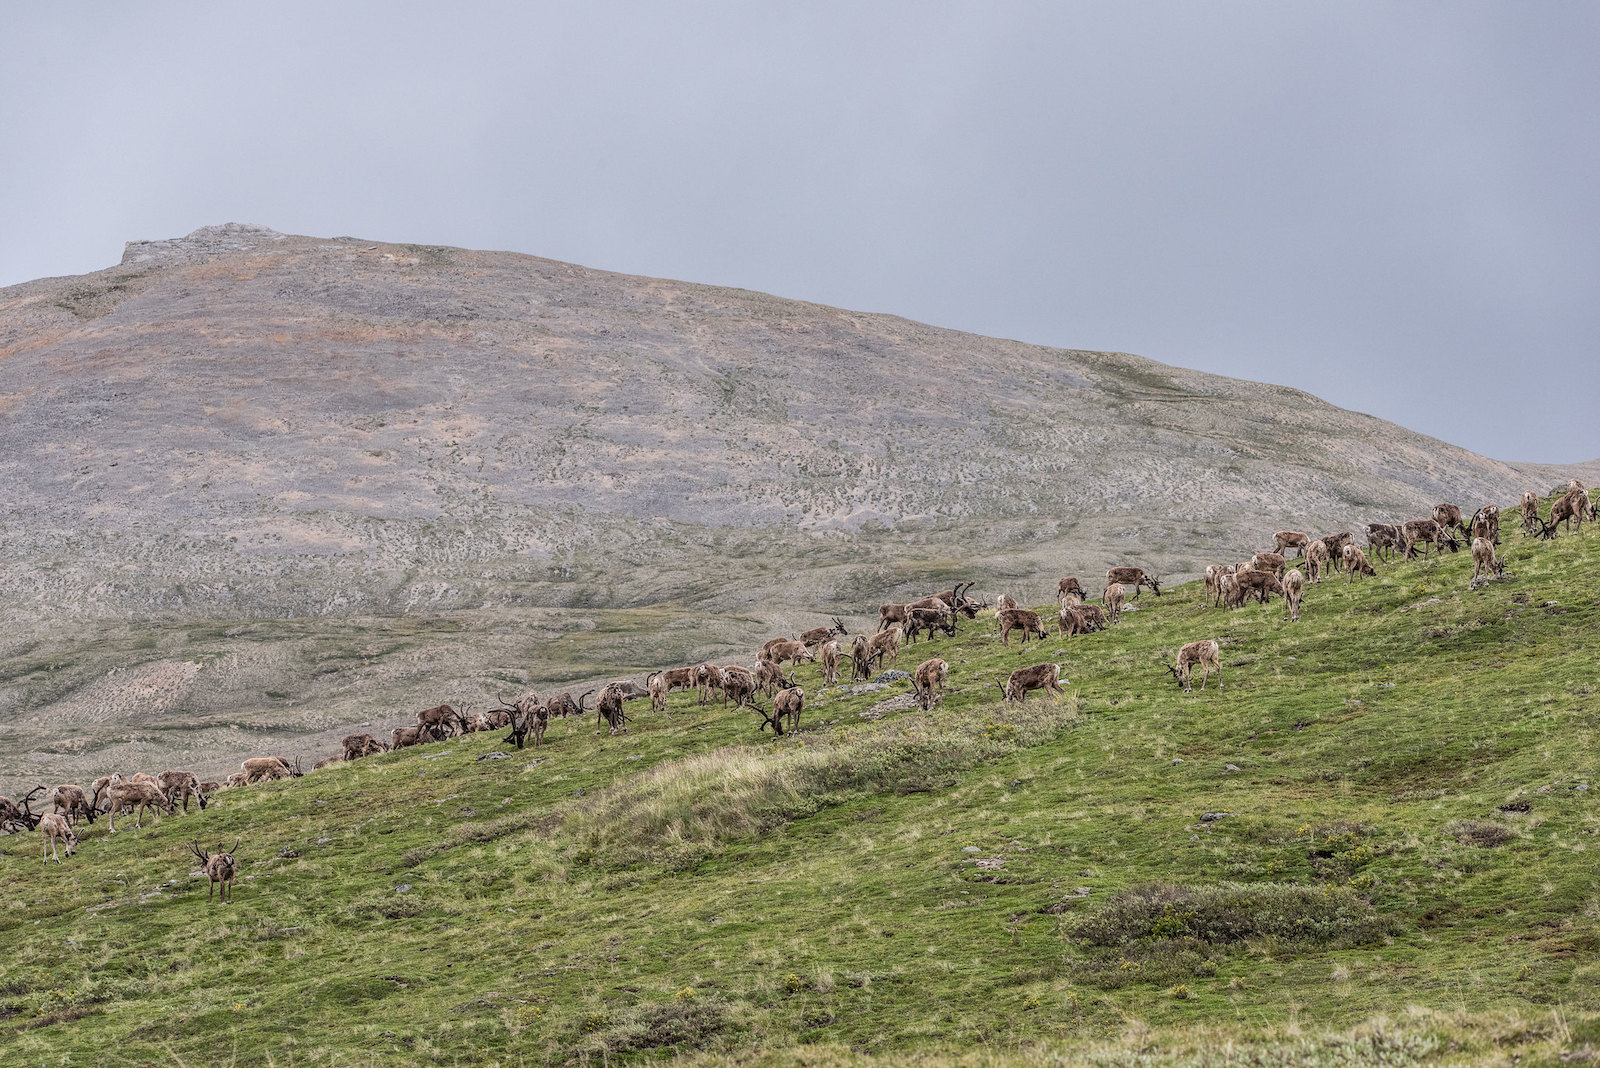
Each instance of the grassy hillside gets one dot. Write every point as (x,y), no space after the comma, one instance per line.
(1373,844)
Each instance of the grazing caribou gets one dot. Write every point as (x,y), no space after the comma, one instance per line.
(1046,677)
(1135,577)
(929,682)
(1206,653)
(1020,619)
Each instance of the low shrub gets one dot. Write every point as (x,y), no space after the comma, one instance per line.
(1485,834)
(1232,912)
(1162,962)
(682,1024)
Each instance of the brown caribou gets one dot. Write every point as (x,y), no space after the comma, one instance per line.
(357,746)
(1294,589)
(1356,563)
(220,869)
(72,803)
(1205,653)
(1530,514)
(928,681)
(739,686)
(1023,681)
(1075,619)
(1114,597)
(1284,540)
(1020,619)
(1384,537)
(818,635)
(1449,517)
(1135,577)
(829,655)
(930,620)
(1486,524)
(1273,562)
(1484,559)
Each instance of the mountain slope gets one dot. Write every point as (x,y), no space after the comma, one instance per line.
(1382,819)
(359,475)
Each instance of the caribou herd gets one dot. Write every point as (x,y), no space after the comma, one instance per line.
(900,625)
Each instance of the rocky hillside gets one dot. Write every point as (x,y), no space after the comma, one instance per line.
(262,484)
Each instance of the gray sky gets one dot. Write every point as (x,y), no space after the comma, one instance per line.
(1392,205)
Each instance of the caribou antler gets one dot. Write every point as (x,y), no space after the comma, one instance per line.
(200,854)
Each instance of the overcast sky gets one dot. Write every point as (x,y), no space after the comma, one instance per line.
(1393,206)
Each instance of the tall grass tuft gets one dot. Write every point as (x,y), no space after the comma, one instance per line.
(683,811)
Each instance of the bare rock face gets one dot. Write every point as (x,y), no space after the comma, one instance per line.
(202,246)
(313,482)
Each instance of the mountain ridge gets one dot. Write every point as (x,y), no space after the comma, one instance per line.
(317,440)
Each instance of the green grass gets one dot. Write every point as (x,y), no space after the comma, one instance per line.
(1317,863)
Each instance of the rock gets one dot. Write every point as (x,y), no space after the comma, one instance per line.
(1212,817)
(971,849)
(496,755)
(903,703)
(868,687)
(892,676)
(402,888)
(1230,767)
(201,246)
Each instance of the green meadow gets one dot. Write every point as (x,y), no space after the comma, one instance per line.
(1374,842)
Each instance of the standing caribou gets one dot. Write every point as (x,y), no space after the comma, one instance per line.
(220,868)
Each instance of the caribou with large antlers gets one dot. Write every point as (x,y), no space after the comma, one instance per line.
(818,635)
(220,867)
(14,814)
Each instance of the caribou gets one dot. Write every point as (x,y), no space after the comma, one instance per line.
(1135,577)
(1023,681)
(1207,654)
(1020,619)
(220,868)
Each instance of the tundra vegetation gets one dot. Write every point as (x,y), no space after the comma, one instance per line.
(1375,845)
